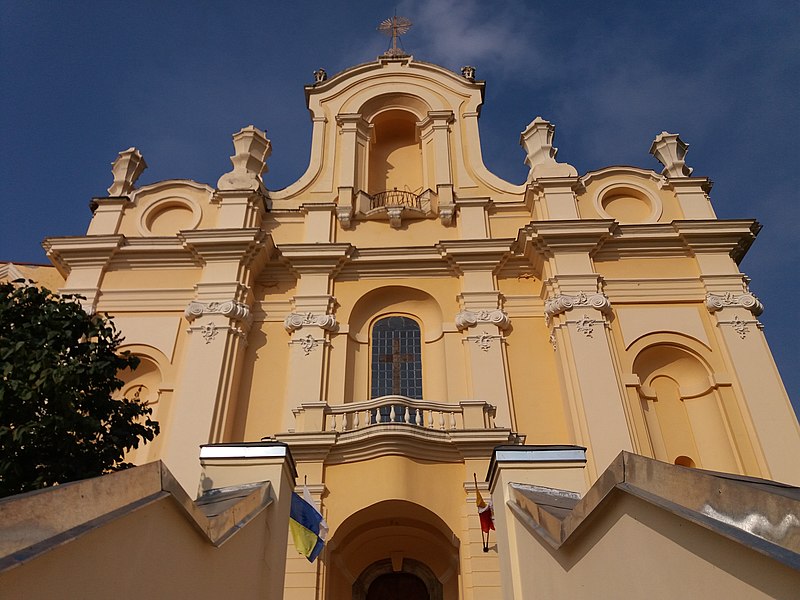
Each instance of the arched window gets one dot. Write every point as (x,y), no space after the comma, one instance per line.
(396,358)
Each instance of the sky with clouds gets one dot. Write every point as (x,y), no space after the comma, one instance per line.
(83,80)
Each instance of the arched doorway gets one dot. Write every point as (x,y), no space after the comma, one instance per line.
(402,580)
(393,549)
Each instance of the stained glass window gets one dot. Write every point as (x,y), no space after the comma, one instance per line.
(396,358)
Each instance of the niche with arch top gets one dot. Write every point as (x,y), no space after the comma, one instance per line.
(683,409)
(628,203)
(395,156)
(168,216)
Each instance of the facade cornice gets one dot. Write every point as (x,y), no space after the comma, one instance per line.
(315,258)
(733,237)
(220,245)
(67,253)
(481,254)
(545,238)
(155,253)
(590,176)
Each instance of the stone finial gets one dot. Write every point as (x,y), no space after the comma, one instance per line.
(252,148)
(468,72)
(537,139)
(670,150)
(126,170)
(320,75)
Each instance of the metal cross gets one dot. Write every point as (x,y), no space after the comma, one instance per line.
(396,359)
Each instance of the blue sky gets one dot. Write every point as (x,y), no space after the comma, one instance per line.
(81,81)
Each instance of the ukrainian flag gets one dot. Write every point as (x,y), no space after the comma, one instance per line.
(308,527)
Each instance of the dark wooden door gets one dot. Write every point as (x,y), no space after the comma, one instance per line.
(398,586)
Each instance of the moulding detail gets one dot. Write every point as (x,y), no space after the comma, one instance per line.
(715,302)
(564,302)
(308,343)
(395,216)
(483,340)
(553,341)
(447,213)
(469,318)
(585,325)
(295,321)
(209,331)
(740,326)
(344,214)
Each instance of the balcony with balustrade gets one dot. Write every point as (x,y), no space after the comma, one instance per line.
(397,425)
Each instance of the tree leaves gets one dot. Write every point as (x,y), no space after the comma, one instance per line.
(59,419)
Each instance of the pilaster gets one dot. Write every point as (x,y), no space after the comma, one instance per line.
(482,322)
(218,322)
(766,401)
(311,322)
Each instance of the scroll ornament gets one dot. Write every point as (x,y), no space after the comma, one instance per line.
(564,302)
(715,302)
(232,309)
(295,321)
(469,318)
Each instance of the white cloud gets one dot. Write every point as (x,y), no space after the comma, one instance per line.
(458,32)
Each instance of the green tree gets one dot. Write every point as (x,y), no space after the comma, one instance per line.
(59,419)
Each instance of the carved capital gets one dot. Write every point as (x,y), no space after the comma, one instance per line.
(715,302)
(252,148)
(295,321)
(237,311)
(670,150)
(564,302)
(126,170)
(469,318)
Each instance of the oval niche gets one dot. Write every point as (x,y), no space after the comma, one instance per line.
(627,204)
(168,216)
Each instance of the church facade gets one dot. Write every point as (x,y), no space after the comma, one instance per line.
(399,312)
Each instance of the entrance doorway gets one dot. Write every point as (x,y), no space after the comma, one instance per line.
(398,586)
(385,580)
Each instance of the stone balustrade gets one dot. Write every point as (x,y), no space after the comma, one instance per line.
(395,411)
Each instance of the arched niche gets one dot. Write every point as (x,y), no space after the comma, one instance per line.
(151,382)
(402,301)
(393,536)
(395,155)
(684,408)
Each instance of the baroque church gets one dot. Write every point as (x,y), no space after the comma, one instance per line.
(400,319)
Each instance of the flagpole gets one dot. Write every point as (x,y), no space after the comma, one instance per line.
(484,541)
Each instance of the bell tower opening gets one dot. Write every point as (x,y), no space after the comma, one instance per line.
(395,160)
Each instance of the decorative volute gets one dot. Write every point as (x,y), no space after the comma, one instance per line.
(537,139)
(252,148)
(126,170)
(670,150)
